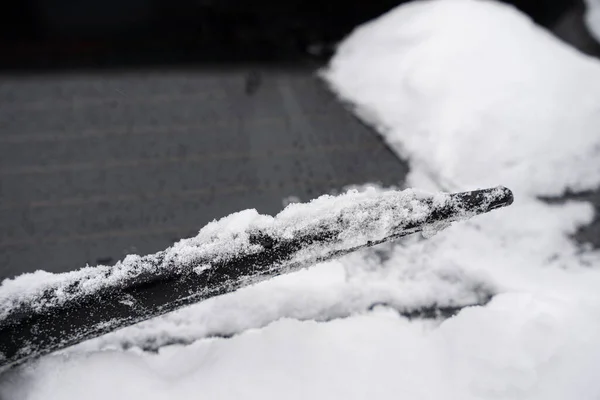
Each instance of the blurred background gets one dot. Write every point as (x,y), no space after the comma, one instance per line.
(126,125)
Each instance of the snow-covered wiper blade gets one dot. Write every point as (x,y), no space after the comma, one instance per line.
(44,312)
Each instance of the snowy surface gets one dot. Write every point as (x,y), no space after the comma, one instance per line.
(592,18)
(473,94)
(526,104)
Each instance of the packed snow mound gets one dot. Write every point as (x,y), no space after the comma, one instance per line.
(470,92)
(592,18)
(519,347)
(438,76)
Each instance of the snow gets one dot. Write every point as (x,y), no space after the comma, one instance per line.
(525,103)
(473,94)
(378,355)
(592,18)
(301,235)
(355,217)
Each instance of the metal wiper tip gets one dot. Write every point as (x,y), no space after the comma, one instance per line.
(485,200)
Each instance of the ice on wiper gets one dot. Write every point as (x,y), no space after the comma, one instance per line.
(43,312)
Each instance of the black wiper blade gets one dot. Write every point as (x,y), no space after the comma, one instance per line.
(41,313)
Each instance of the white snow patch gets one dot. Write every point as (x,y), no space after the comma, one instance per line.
(519,347)
(473,94)
(476,95)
